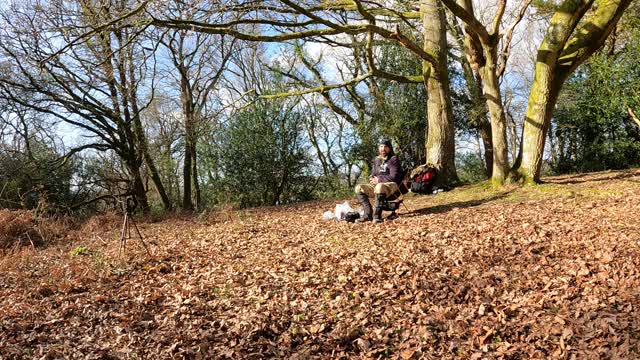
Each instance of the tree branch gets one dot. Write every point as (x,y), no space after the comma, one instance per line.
(506,42)
(65,158)
(495,26)
(469,19)
(633,116)
(318,89)
(561,26)
(591,34)
(95,30)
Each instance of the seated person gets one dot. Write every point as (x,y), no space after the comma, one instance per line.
(384,183)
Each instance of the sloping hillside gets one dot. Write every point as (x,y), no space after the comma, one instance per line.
(543,272)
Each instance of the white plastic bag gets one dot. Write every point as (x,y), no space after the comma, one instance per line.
(328,215)
(342,210)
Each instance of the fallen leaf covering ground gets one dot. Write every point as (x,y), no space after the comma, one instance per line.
(543,272)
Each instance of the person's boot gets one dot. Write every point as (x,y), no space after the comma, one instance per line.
(366,207)
(377,214)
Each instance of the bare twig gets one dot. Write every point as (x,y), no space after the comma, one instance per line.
(96,30)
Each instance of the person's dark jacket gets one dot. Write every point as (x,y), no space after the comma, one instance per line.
(388,170)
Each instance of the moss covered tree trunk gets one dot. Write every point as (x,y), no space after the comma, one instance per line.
(542,99)
(571,38)
(440,144)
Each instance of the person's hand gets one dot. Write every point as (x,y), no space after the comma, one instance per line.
(373,180)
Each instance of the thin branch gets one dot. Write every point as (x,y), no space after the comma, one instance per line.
(209,29)
(318,89)
(95,30)
(495,27)
(506,43)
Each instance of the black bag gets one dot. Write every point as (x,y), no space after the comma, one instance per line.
(352,216)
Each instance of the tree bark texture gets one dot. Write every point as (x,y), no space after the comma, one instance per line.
(565,46)
(484,130)
(491,88)
(478,116)
(137,188)
(188,113)
(482,55)
(196,183)
(440,144)
(153,170)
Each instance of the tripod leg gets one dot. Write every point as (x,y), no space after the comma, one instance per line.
(129,227)
(141,238)
(123,234)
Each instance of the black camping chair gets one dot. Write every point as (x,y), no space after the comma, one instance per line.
(392,203)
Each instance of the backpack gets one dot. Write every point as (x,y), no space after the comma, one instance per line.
(423,178)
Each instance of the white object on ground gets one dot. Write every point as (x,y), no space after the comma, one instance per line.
(342,210)
(328,215)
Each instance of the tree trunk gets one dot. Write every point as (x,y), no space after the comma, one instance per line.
(542,100)
(475,85)
(513,129)
(562,152)
(483,56)
(491,87)
(574,144)
(565,46)
(196,183)
(153,170)
(187,111)
(633,116)
(143,146)
(187,203)
(484,130)
(440,144)
(553,146)
(139,192)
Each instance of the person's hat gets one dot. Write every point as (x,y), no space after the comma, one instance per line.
(386,142)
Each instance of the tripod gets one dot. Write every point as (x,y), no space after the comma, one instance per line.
(128,205)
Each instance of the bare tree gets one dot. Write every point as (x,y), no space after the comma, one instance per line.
(487,51)
(200,61)
(279,21)
(94,85)
(161,121)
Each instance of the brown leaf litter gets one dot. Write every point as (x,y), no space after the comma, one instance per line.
(543,272)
